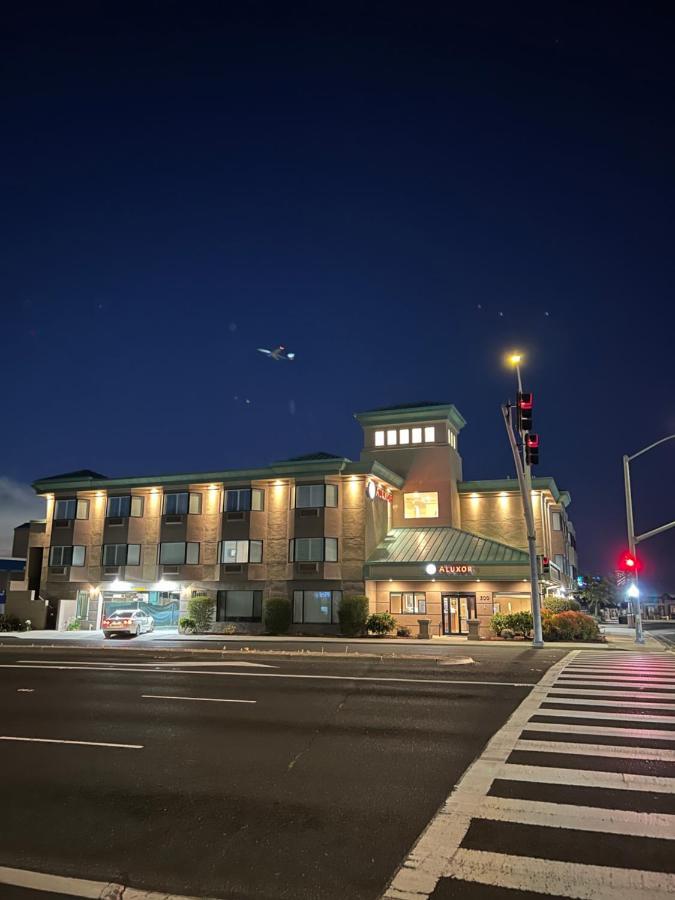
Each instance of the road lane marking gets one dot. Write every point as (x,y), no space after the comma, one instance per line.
(599,692)
(80,887)
(596,750)
(7,737)
(206,699)
(580,818)
(608,731)
(562,879)
(61,668)
(596,701)
(619,714)
(587,778)
(616,683)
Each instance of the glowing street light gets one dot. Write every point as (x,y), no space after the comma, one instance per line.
(633,591)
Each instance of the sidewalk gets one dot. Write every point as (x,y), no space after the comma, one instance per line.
(619,637)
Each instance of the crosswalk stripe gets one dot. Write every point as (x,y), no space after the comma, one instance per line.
(581,818)
(624,673)
(655,753)
(575,682)
(608,731)
(586,714)
(587,778)
(562,879)
(599,692)
(619,676)
(596,701)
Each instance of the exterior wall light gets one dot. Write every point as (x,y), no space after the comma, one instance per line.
(431,569)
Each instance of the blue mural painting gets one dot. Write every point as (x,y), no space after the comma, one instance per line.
(164,608)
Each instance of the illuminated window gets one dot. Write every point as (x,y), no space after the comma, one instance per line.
(404,436)
(407,603)
(421,505)
(452,439)
(429,434)
(379,438)
(391,437)
(417,435)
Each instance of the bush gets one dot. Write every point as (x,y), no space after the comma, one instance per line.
(229,628)
(519,623)
(75,625)
(381,623)
(353,614)
(507,634)
(403,631)
(11,623)
(186,625)
(570,626)
(201,610)
(277,615)
(559,605)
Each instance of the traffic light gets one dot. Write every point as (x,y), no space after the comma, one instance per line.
(545,567)
(524,411)
(532,449)
(629,563)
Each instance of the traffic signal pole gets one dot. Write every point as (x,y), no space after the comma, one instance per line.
(639,634)
(525,483)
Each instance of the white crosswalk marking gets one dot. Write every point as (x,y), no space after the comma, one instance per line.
(524,780)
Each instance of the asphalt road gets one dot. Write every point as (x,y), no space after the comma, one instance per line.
(316,787)
(667,638)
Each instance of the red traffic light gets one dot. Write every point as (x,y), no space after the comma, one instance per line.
(629,563)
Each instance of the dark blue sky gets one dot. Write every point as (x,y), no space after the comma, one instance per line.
(399,194)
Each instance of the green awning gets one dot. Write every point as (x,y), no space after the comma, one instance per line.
(443,545)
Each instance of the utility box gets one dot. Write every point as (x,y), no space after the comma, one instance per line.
(424,633)
(473,627)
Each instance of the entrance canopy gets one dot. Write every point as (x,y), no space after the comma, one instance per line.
(444,553)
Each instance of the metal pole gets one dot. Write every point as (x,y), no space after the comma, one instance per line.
(639,636)
(526,495)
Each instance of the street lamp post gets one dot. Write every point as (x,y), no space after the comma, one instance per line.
(524,473)
(633,539)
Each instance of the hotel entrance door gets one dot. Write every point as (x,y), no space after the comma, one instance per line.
(457,608)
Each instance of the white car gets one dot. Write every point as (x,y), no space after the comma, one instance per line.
(127,621)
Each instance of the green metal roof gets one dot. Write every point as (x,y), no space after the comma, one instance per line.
(424,412)
(443,545)
(543,483)
(315,467)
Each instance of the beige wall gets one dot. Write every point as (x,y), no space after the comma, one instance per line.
(499,516)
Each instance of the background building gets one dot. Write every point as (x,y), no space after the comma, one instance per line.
(400,525)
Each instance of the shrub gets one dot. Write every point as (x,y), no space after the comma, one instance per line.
(519,623)
(75,625)
(381,623)
(570,626)
(403,631)
(507,634)
(11,623)
(559,605)
(186,625)
(353,614)
(229,628)
(201,610)
(277,615)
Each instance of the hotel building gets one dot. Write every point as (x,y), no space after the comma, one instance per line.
(399,525)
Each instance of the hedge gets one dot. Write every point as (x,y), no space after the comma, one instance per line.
(570,626)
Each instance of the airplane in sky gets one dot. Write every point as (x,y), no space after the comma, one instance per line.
(278,353)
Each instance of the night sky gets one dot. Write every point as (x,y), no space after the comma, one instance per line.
(399,194)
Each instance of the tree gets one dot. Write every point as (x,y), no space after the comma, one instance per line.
(598,592)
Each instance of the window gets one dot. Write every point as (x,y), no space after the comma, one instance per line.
(240,551)
(417,435)
(121,554)
(244,499)
(430,434)
(82,608)
(239,606)
(65,509)
(315,495)
(174,553)
(180,503)
(452,439)
(408,602)
(420,505)
(118,507)
(313,550)
(391,437)
(137,507)
(82,511)
(404,436)
(379,438)
(556,522)
(316,607)
(66,556)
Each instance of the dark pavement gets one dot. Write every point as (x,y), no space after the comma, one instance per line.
(316,790)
